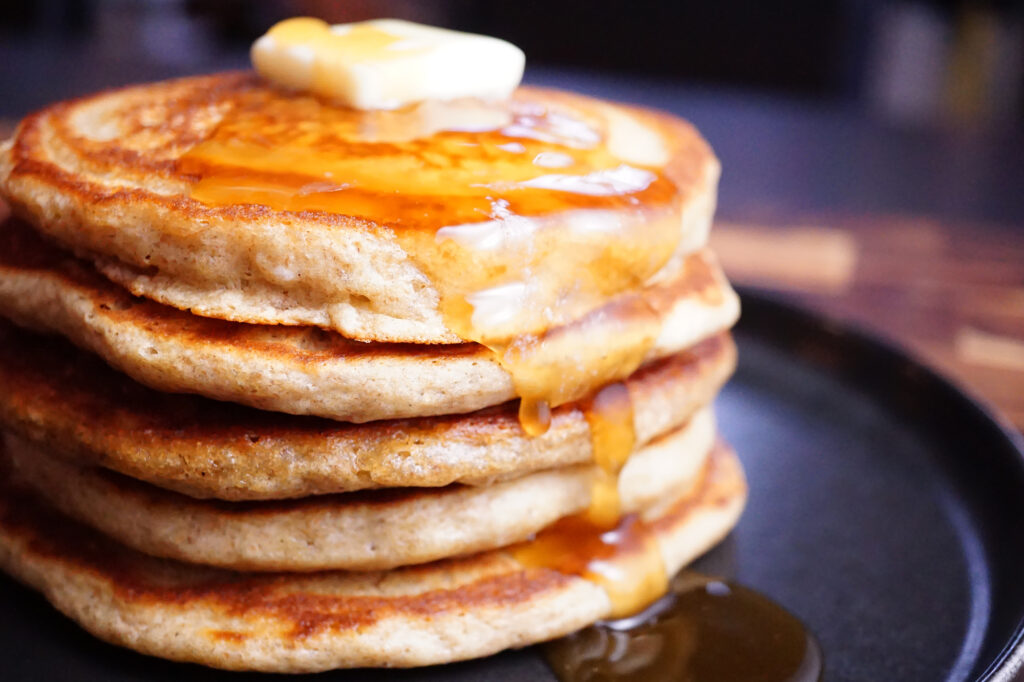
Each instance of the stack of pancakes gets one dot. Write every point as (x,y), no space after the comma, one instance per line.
(262,415)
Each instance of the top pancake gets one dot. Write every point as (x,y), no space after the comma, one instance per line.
(144,182)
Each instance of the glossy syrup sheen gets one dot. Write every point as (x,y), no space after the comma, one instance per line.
(609,414)
(523,220)
(427,166)
(704,630)
(517,212)
(624,560)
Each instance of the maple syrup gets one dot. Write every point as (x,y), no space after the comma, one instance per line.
(703,630)
(610,416)
(519,213)
(624,560)
(512,245)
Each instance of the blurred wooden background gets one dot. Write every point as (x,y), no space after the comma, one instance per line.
(951,293)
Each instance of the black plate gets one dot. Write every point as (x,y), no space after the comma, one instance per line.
(886,510)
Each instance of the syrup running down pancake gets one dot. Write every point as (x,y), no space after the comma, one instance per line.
(304,370)
(440,222)
(211,449)
(516,217)
(377,529)
(440,612)
(428,356)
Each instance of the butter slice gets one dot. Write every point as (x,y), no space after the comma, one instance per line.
(386,63)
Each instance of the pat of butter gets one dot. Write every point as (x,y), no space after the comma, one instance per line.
(386,63)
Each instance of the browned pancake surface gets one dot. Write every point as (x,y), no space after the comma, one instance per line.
(368,530)
(433,613)
(72,403)
(104,176)
(303,370)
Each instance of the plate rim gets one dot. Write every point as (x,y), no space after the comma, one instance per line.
(1009,662)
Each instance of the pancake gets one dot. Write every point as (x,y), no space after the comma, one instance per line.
(69,402)
(306,370)
(436,613)
(142,182)
(356,531)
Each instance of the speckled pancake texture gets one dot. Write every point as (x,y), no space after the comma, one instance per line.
(238,426)
(285,622)
(373,530)
(304,370)
(70,403)
(101,176)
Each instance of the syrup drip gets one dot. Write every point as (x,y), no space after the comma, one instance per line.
(561,367)
(625,560)
(534,416)
(704,630)
(520,215)
(610,416)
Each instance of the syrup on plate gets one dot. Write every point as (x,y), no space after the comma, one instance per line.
(703,630)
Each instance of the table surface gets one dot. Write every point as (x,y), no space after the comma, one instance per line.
(951,293)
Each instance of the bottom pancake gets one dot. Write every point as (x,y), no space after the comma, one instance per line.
(435,613)
(370,530)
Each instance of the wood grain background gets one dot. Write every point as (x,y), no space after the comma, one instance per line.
(951,293)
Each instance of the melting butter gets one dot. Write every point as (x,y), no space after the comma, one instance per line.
(386,63)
